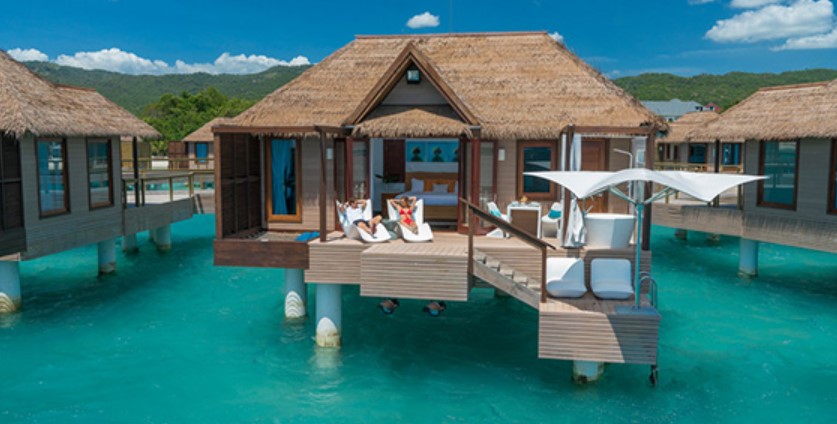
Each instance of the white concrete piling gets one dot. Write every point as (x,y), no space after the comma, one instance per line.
(329,315)
(587,371)
(162,237)
(295,294)
(107,256)
(748,258)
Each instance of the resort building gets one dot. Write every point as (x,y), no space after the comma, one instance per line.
(672,110)
(454,120)
(60,179)
(680,149)
(788,134)
(198,146)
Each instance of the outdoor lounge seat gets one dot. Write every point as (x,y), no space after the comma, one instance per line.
(494,210)
(425,233)
(352,231)
(551,222)
(611,278)
(565,277)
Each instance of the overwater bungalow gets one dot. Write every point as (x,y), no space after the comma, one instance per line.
(454,120)
(681,149)
(60,179)
(199,145)
(789,134)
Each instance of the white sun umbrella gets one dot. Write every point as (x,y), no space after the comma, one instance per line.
(702,186)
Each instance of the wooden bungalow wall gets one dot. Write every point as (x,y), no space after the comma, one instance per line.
(12,232)
(80,225)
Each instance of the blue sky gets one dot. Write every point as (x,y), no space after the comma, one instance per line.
(619,37)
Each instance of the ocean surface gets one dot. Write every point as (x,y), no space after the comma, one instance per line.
(170,338)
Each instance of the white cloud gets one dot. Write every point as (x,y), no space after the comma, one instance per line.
(822,41)
(557,37)
(752,4)
(425,20)
(701,1)
(117,60)
(798,19)
(28,55)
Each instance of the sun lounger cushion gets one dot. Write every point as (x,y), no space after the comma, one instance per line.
(565,277)
(611,279)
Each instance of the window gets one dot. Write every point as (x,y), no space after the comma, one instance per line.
(832,179)
(778,162)
(99,173)
(731,154)
(535,156)
(284,185)
(697,153)
(53,187)
(201,152)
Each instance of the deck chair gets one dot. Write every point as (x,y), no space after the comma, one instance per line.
(551,222)
(611,278)
(494,210)
(565,277)
(352,231)
(424,231)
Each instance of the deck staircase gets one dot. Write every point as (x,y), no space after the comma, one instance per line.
(505,278)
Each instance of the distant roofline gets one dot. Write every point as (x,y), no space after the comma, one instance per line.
(452,34)
(795,86)
(74,87)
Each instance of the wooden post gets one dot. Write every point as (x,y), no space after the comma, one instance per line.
(323,163)
(472,222)
(649,187)
(543,274)
(717,201)
(135,153)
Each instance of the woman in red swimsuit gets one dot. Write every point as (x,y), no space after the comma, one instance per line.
(406,207)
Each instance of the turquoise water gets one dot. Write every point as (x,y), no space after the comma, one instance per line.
(171,338)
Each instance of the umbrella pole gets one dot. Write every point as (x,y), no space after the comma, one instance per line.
(640,208)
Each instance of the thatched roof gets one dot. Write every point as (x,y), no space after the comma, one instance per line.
(412,122)
(204,133)
(776,113)
(33,104)
(680,131)
(516,85)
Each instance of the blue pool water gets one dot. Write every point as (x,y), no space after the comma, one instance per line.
(171,338)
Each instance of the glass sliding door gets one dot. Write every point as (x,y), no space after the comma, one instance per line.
(53,193)
(360,169)
(284,191)
(477,178)
(99,173)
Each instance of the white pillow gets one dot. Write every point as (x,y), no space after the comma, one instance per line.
(440,188)
(416,185)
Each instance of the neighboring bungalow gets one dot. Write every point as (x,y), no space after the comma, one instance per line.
(789,134)
(61,182)
(672,110)
(199,145)
(679,149)
(461,116)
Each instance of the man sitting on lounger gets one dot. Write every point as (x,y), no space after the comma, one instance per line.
(353,209)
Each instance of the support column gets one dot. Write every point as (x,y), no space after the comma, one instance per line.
(680,234)
(162,237)
(587,372)
(107,256)
(329,315)
(129,243)
(9,286)
(748,258)
(295,294)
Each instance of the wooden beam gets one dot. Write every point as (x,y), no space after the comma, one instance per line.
(302,129)
(615,130)
(219,206)
(135,153)
(323,163)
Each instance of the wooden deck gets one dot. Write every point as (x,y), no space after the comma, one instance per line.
(588,328)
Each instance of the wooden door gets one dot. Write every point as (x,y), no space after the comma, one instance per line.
(394,161)
(594,158)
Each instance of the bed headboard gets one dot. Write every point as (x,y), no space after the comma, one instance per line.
(431,178)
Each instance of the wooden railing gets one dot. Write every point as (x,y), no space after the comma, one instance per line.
(140,186)
(697,167)
(476,212)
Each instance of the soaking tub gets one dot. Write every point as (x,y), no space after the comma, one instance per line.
(609,230)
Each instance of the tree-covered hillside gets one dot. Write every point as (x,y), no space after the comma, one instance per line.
(725,90)
(135,92)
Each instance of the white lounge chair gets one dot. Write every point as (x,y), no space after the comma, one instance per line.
(425,233)
(611,278)
(352,231)
(551,222)
(494,210)
(565,277)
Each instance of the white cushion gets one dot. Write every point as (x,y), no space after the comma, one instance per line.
(562,288)
(611,278)
(416,185)
(440,188)
(565,277)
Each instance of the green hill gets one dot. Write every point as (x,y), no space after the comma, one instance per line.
(134,92)
(725,90)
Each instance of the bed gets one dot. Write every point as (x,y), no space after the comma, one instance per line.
(439,205)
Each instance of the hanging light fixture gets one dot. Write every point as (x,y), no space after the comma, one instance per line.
(388,306)
(434,309)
